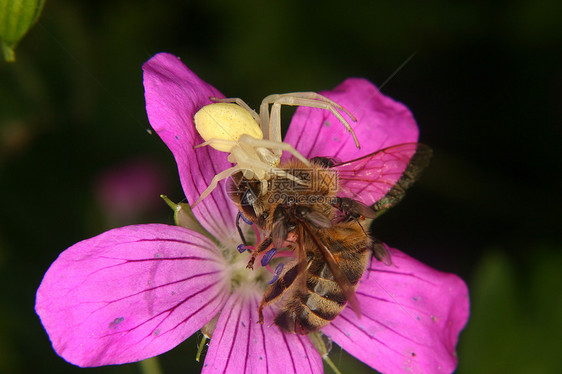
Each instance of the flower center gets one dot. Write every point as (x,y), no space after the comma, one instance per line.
(246,272)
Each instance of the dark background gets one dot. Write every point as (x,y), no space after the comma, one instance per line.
(484,85)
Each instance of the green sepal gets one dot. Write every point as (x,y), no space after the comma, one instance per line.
(323,345)
(184,217)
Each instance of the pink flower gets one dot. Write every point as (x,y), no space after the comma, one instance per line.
(130,190)
(138,291)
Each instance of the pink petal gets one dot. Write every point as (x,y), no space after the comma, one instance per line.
(241,345)
(130,293)
(381,122)
(173,95)
(412,317)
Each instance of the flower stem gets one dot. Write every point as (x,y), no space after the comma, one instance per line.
(323,345)
(200,348)
(331,364)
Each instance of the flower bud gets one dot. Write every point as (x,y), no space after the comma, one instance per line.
(16,19)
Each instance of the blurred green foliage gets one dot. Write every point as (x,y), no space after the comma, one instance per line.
(515,314)
(484,85)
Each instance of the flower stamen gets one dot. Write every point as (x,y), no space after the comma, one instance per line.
(277,272)
(242,248)
(268,256)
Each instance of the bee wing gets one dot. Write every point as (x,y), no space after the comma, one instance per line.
(380,179)
(339,276)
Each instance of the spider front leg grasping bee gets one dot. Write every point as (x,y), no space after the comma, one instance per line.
(230,125)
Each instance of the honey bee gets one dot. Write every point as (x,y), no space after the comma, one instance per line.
(322,222)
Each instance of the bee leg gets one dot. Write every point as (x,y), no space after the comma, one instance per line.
(238,216)
(263,246)
(277,288)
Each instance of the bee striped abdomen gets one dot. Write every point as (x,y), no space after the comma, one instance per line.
(326,288)
(323,300)
(279,286)
(307,313)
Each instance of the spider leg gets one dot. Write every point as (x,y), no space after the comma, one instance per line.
(271,144)
(246,162)
(216,179)
(308,99)
(309,95)
(276,115)
(213,142)
(283,174)
(240,102)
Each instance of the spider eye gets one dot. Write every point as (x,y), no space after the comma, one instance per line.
(225,121)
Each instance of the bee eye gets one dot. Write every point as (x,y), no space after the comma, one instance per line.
(326,162)
(249,197)
(302,211)
(279,213)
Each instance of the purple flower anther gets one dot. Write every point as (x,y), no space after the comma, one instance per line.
(268,256)
(277,272)
(241,248)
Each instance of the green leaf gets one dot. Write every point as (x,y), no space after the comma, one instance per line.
(16,18)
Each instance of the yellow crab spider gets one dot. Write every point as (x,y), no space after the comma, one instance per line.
(230,125)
